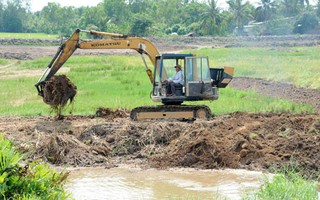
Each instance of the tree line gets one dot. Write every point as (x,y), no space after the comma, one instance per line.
(164,17)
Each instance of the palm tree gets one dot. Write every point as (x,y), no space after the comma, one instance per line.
(211,18)
(241,13)
(289,7)
(265,10)
(292,8)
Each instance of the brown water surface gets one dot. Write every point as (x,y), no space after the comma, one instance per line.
(124,183)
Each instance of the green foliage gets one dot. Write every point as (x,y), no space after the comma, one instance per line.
(148,17)
(287,185)
(34,181)
(4,61)
(12,16)
(177,28)
(265,10)
(28,36)
(212,19)
(241,14)
(140,26)
(305,23)
(278,26)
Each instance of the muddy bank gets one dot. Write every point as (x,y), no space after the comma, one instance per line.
(238,140)
(279,90)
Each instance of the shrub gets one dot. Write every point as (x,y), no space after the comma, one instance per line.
(32,181)
(279,26)
(307,22)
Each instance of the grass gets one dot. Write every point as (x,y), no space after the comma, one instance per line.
(121,81)
(4,61)
(4,35)
(296,65)
(231,100)
(286,185)
(115,82)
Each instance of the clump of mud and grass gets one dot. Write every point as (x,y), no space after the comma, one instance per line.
(109,113)
(57,91)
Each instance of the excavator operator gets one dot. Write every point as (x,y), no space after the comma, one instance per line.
(175,82)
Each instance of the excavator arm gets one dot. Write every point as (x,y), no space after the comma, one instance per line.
(116,41)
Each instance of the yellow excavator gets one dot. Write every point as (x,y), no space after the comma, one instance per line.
(200,81)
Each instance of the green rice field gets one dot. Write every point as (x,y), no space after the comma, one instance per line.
(121,81)
(4,35)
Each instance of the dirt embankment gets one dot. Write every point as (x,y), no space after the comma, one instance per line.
(238,140)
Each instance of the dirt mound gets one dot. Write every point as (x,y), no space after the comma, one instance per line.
(108,113)
(16,56)
(68,150)
(249,141)
(238,140)
(57,91)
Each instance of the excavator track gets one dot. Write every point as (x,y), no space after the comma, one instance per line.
(180,112)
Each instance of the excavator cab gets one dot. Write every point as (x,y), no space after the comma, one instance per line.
(198,83)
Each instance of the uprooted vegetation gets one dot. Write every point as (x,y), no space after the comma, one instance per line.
(239,140)
(57,91)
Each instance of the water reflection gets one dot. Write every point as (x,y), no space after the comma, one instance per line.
(124,183)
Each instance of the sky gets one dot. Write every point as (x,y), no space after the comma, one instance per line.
(37,5)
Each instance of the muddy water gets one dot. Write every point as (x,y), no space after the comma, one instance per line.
(124,183)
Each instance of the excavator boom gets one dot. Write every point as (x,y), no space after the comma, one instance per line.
(117,41)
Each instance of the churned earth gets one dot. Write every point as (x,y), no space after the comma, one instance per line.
(238,140)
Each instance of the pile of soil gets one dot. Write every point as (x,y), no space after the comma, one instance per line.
(57,91)
(239,140)
(109,113)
